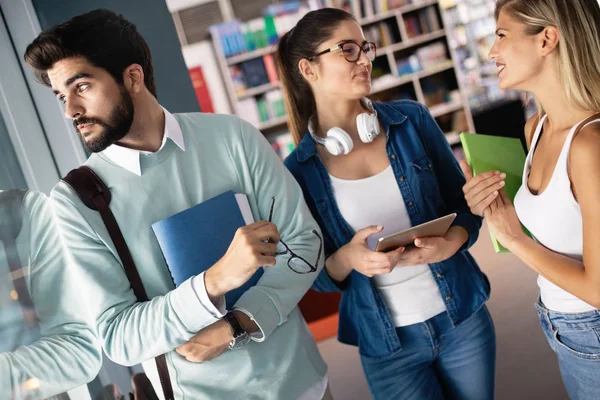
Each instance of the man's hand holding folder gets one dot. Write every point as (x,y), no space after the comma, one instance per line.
(252,247)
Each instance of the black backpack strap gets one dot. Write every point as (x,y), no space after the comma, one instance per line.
(96,195)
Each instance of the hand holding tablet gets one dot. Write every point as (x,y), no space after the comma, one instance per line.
(436,227)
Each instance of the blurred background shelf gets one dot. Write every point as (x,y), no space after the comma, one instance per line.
(415,58)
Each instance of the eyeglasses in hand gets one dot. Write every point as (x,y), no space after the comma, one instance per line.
(296,263)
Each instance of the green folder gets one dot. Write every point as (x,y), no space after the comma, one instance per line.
(487,153)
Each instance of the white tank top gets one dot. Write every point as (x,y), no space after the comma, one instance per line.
(554,219)
(410,293)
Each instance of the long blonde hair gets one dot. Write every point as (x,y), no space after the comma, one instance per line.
(578,23)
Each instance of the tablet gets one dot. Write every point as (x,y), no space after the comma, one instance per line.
(436,227)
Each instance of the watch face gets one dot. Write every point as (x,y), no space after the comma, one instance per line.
(240,336)
(239,341)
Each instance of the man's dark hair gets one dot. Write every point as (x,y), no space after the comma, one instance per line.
(102,37)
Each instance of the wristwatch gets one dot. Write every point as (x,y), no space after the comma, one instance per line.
(240,336)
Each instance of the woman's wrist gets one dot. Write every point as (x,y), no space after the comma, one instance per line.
(457,235)
(336,270)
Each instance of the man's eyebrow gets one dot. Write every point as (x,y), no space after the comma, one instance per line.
(72,79)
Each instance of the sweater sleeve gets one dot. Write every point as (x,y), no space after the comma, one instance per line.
(67,355)
(280,288)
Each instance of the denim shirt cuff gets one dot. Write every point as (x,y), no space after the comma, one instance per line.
(470,224)
(343,285)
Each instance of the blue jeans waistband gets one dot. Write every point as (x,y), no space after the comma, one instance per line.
(569,320)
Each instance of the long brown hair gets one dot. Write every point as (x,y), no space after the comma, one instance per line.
(302,42)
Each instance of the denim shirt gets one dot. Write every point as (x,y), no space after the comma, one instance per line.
(430,181)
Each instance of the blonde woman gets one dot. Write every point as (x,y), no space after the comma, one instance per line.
(551,48)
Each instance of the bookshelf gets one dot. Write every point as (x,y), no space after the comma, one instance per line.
(414,61)
(471,30)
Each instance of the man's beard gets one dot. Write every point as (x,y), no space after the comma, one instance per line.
(119,124)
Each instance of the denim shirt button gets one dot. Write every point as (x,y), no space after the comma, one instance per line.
(439,276)
(448,298)
(393,156)
(401,179)
(429,166)
(410,203)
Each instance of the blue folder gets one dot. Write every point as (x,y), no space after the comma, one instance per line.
(195,239)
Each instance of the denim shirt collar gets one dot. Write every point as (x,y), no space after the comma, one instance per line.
(388,115)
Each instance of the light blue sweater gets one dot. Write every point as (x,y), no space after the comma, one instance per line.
(221,153)
(63,353)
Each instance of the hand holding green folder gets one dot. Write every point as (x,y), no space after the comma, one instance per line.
(488,153)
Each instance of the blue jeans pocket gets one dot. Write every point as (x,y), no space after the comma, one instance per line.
(583,343)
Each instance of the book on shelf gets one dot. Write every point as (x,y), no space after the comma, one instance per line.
(354,7)
(413,28)
(263,108)
(380,33)
(282,144)
(201,89)
(432,19)
(380,6)
(254,72)
(237,37)
(393,4)
(422,22)
(237,78)
(432,54)
(271,69)
(193,240)
(408,65)
(229,37)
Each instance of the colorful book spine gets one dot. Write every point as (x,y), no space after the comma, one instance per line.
(270,67)
(201,89)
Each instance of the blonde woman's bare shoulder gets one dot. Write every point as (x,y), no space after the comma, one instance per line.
(587,141)
(584,161)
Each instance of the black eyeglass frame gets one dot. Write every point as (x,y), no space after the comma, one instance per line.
(313,267)
(339,46)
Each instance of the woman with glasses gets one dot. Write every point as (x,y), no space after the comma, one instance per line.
(416,314)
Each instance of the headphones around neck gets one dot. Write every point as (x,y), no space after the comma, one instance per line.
(338,142)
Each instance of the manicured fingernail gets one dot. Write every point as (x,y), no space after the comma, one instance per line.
(502,183)
(496,193)
(503,175)
(496,172)
(380,227)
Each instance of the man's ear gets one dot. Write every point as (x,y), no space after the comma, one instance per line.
(133,78)
(308,70)
(549,38)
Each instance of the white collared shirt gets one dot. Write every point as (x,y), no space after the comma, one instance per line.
(130,158)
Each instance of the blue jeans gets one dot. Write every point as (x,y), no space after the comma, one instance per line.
(438,361)
(575,338)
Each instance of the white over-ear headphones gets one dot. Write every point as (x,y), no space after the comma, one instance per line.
(338,141)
